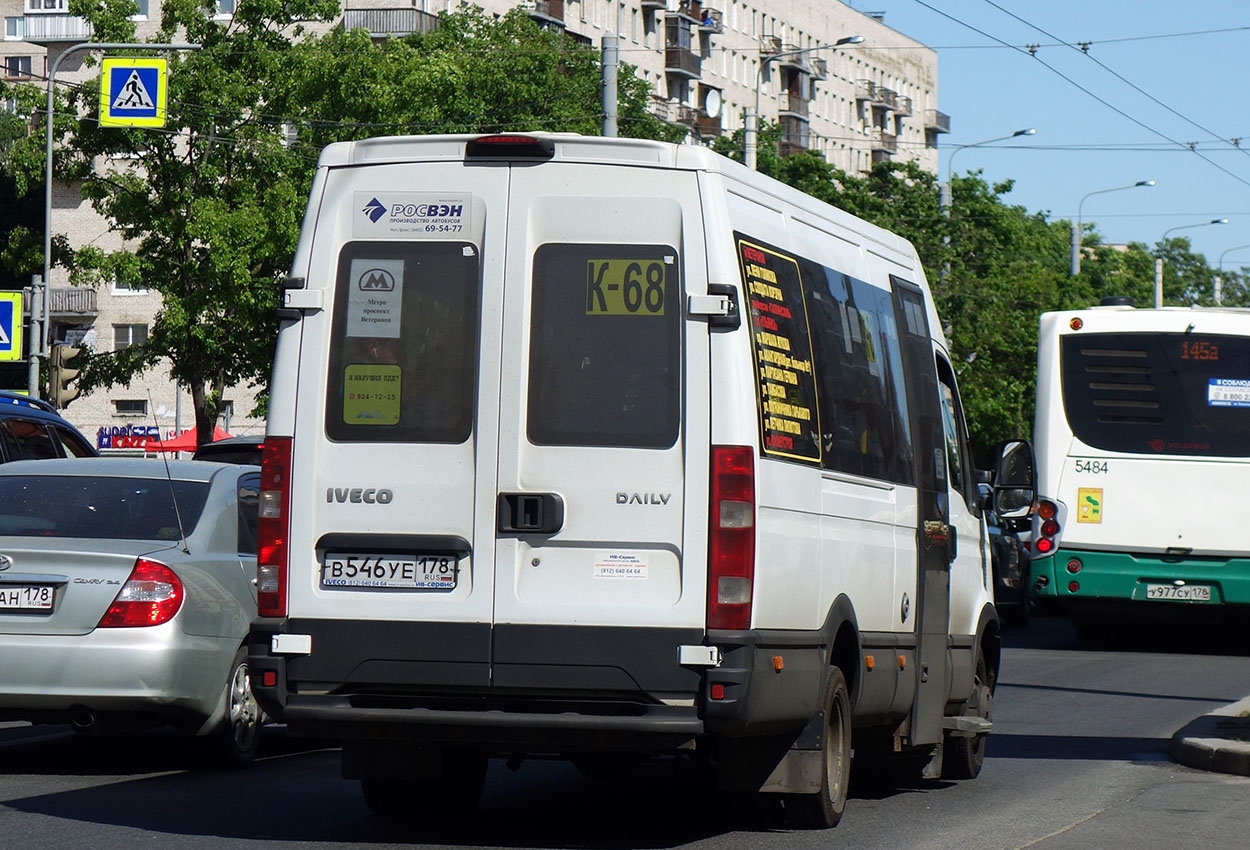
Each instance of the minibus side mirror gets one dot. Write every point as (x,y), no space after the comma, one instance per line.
(1014,482)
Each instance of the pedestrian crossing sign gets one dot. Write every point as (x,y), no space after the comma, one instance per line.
(10,326)
(132,92)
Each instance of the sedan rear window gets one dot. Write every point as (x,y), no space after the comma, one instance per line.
(99,508)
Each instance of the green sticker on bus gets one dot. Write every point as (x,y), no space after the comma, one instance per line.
(371,394)
(625,287)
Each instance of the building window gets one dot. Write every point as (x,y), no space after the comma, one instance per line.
(225,8)
(121,287)
(42,6)
(124,335)
(17,67)
(142,14)
(130,407)
(14,28)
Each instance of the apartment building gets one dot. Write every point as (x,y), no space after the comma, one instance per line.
(707,62)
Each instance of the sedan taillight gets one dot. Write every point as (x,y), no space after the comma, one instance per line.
(151,595)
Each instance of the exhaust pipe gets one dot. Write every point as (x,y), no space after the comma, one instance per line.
(82,719)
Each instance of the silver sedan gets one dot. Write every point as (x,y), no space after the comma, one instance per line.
(126,594)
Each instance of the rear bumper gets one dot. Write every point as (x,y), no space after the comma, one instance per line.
(158,669)
(1123,577)
(553,689)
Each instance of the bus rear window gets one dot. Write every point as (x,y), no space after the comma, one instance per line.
(1151,393)
(605,364)
(403,348)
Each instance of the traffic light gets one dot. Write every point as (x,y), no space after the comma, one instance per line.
(61,393)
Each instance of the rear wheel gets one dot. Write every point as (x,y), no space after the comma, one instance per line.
(823,809)
(237,737)
(963,756)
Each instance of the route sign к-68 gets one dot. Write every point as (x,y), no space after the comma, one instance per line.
(10,326)
(133,92)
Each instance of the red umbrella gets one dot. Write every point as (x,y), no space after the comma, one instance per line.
(184,442)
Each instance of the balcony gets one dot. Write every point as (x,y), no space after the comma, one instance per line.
(691,9)
(794,105)
(682,61)
(936,122)
(789,145)
(875,95)
(791,57)
(902,106)
(546,12)
(884,142)
(71,301)
(707,126)
(388,23)
(713,21)
(654,5)
(48,29)
(770,45)
(820,69)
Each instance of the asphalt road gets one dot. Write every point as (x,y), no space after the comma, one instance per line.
(1078,760)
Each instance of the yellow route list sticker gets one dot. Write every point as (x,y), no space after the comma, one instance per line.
(1089,504)
(371,394)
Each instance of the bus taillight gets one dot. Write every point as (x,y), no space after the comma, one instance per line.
(1048,528)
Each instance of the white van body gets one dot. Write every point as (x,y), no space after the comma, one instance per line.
(506,370)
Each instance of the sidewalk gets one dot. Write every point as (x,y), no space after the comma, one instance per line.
(1219,741)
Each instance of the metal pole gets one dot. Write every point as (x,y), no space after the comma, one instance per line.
(47,176)
(611,62)
(1074,266)
(36,310)
(1158,281)
(749,130)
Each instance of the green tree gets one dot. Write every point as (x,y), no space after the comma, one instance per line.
(210,206)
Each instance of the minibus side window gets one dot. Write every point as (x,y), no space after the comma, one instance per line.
(859,366)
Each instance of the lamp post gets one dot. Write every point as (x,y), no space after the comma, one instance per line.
(1075,268)
(944,192)
(1159,259)
(1219,278)
(750,126)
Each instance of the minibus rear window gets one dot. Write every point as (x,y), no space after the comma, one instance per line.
(605,364)
(403,347)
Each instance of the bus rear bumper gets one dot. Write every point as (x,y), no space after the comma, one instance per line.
(1081,578)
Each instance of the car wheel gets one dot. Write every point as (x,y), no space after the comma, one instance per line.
(963,756)
(237,737)
(823,809)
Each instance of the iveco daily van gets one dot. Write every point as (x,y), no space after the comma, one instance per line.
(601,449)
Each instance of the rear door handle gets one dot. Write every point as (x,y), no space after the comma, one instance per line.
(529,513)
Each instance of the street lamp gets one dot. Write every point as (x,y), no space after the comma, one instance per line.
(750,126)
(1075,268)
(1159,259)
(1219,278)
(944,192)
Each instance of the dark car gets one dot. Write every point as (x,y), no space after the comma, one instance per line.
(1010,558)
(31,429)
(233,450)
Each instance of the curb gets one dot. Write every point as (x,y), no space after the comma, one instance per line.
(1219,741)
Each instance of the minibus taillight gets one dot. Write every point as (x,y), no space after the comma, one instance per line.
(731,544)
(274,528)
(511,146)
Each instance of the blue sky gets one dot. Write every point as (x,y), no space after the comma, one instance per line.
(1157,77)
